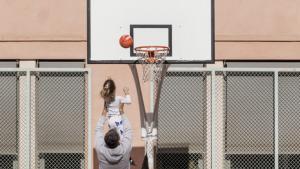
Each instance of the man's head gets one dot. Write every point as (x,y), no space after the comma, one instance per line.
(112,138)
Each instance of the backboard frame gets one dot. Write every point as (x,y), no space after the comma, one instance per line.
(90,61)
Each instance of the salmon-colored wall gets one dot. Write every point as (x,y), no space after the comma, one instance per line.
(56,29)
(55,20)
(257,30)
(48,29)
(42,50)
(256,20)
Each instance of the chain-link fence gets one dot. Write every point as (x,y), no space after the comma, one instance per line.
(182,120)
(60,119)
(289,118)
(248,119)
(9,120)
(43,120)
(222,119)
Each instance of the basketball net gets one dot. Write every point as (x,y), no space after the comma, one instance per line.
(152,59)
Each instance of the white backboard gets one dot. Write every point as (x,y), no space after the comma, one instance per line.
(185,26)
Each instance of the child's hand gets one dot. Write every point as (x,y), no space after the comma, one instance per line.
(126,90)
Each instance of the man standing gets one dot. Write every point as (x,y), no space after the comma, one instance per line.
(112,152)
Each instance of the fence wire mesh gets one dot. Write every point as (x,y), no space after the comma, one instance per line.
(248,120)
(60,110)
(245,123)
(43,120)
(182,132)
(289,117)
(9,120)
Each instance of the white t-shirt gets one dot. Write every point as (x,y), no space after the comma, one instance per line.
(113,108)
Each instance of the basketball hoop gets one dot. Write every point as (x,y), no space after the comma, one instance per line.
(152,59)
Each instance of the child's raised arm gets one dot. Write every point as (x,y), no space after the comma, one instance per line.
(127,98)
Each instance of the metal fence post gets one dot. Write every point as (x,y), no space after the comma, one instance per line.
(27,122)
(213,122)
(276,131)
(89,119)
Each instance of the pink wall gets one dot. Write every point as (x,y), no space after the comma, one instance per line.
(48,20)
(42,50)
(255,30)
(257,50)
(50,29)
(54,29)
(256,20)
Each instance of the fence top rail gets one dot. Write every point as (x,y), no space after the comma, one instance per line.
(171,69)
(45,69)
(201,69)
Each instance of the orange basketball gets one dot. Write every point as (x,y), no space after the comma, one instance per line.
(126,41)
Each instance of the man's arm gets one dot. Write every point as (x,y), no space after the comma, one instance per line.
(99,130)
(127,135)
